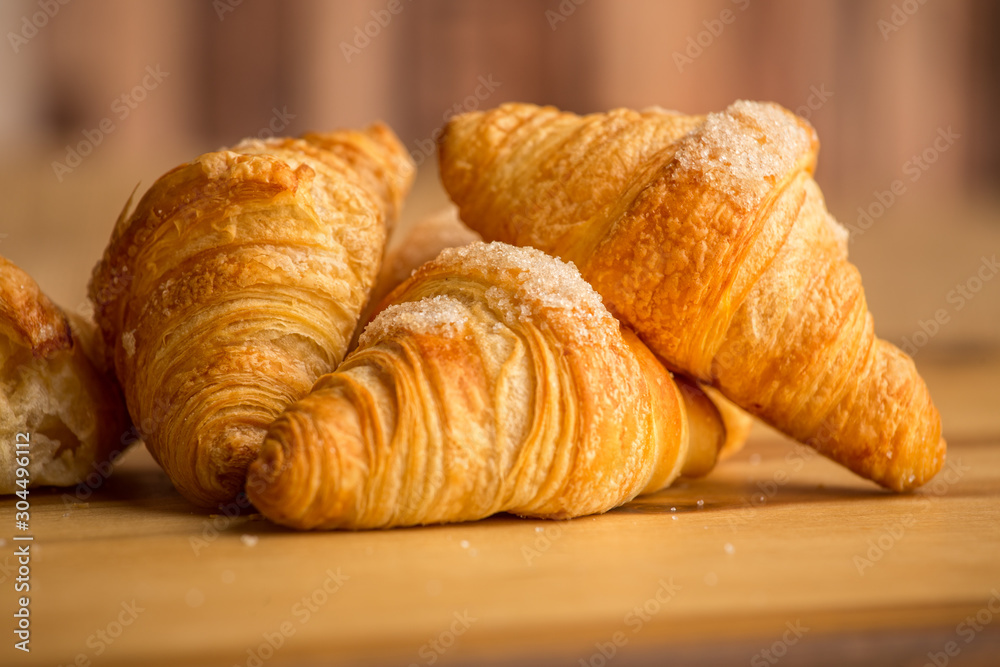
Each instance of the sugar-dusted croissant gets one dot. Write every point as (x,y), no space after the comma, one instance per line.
(709,237)
(409,248)
(59,408)
(423,240)
(235,283)
(494,381)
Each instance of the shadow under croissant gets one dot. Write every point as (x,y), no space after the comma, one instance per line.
(729,497)
(150,491)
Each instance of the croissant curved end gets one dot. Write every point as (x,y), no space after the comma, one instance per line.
(312,459)
(269,479)
(265,472)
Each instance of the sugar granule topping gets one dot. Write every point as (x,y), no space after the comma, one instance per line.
(128,342)
(744,150)
(544,284)
(442,315)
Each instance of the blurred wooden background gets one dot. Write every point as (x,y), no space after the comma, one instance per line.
(880,80)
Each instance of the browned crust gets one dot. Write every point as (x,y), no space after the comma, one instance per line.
(28,316)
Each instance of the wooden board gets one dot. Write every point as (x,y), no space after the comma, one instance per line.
(777,550)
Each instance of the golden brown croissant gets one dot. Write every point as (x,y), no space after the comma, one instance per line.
(709,237)
(737,421)
(235,283)
(495,381)
(427,237)
(59,408)
(411,247)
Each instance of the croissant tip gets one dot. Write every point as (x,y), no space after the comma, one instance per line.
(276,490)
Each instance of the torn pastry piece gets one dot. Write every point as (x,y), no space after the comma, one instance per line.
(60,411)
(494,381)
(709,237)
(235,283)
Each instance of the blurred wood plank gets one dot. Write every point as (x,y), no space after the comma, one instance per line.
(890,90)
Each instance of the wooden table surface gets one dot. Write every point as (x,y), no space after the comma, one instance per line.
(777,556)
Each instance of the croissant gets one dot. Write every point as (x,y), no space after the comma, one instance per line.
(409,248)
(709,237)
(494,381)
(59,408)
(427,237)
(235,283)
(736,420)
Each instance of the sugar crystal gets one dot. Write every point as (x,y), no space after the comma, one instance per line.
(744,151)
(442,315)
